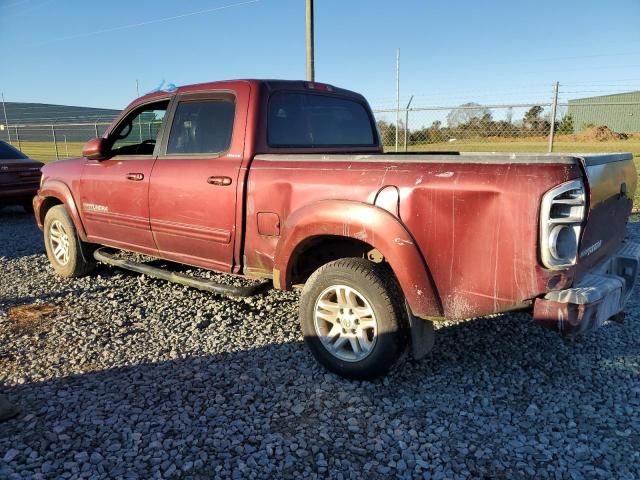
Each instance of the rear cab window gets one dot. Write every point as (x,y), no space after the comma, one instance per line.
(307,120)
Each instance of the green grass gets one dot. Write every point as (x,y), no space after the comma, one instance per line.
(632,146)
(46,151)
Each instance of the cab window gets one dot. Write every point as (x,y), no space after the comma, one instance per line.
(202,127)
(137,134)
(310,120)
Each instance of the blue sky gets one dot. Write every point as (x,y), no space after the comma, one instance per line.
(451,51)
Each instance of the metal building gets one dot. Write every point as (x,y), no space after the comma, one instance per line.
(620,112)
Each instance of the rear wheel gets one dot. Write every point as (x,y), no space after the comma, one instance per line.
(64,248)
(352,319)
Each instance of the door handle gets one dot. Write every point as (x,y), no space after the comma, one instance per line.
(219,181)
(136,177)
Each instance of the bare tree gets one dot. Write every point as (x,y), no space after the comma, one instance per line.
(465,113)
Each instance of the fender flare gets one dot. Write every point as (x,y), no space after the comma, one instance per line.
(59,190)
(367,223)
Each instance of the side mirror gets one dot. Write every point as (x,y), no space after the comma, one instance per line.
(95,149)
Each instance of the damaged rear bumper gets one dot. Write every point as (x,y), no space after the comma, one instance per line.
(600,295)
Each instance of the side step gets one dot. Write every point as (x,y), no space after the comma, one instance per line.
(175,277)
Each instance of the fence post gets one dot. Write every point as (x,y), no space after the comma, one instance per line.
(397,96)
(18,139)
(554,106)
(55,143)
(406,122)
(95,126)
(6,122)
(66,147)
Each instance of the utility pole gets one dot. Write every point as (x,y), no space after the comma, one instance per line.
(6,122)
(397,97)
(554,106)
(311,75)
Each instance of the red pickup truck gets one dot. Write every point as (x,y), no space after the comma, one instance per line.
(287,181)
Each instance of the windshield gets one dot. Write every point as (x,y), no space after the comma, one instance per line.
(7,152)
(312,120)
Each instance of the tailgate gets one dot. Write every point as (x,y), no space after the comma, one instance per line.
(611,182)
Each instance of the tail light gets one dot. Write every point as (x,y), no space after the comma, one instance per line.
(562,213)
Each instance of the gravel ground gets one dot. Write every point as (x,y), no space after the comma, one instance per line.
(129,377)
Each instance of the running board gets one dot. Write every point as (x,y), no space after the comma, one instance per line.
(201,284)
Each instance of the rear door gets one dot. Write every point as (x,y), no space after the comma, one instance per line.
(194,185)
(114,193)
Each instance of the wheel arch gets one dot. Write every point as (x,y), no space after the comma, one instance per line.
(53,193)
(358,226)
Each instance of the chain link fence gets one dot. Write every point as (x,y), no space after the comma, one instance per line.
(599,123)
(513,127)
(467,127)
(65,140)
(47,142)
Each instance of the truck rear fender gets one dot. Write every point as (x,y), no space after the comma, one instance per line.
(56,192)
(365,223)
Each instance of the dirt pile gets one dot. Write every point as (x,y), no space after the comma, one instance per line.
(601,133)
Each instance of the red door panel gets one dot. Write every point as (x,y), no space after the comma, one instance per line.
(114,202)
(193,220)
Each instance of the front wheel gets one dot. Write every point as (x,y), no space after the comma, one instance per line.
(352,318)
(64,248)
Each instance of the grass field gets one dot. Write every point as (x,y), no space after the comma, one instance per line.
(45,151)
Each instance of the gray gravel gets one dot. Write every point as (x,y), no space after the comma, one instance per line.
(135,378)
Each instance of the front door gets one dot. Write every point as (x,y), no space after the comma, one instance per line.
(192,196)
(114,193)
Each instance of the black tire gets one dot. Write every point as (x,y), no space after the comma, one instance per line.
(78,261)
(374,285)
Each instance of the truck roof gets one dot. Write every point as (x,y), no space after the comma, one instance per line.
(270,84)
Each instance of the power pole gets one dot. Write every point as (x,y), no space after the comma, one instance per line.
(554,106)
(310,66)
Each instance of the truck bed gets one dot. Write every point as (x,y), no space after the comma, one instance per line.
(473,216)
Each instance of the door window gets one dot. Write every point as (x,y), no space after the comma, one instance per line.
(200,127)
(137,134)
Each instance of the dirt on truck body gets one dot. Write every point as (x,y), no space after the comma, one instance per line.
(286,181)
